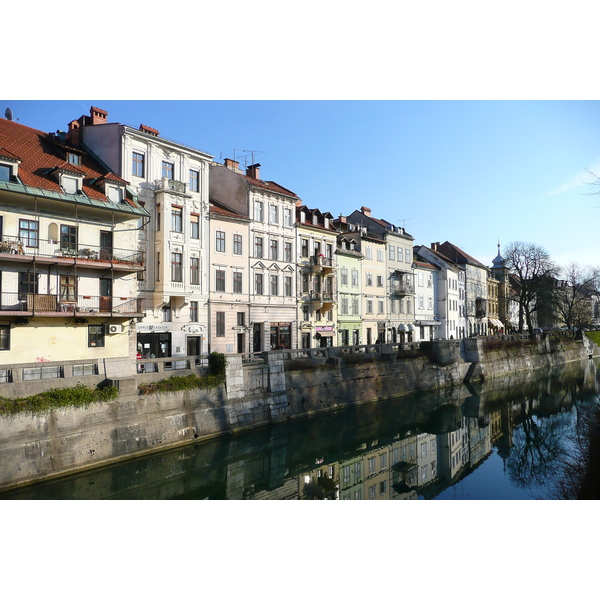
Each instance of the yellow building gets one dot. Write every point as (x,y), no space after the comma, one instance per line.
(69,253)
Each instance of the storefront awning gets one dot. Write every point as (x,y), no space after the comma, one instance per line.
(402,327)
(496,322)
(325,333)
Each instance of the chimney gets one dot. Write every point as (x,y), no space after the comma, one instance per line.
(234,165)
(150,130)
(253,171)
(98,116)
(435,246)
(74,133)
(365,211)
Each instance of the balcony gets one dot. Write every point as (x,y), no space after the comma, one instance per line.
(401,288)
(13,249)
(319,299)
(170,185)
(321,264)
(52,305)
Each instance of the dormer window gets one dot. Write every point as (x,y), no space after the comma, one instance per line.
(73,159)
(69,184)
(114,193)
(315,220)
(5,172)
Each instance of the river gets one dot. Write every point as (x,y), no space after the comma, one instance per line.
(506,439)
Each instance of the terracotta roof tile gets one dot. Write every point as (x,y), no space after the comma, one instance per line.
(40,154)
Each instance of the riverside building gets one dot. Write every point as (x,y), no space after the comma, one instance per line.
(70,257)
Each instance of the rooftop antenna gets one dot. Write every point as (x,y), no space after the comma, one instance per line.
(404,221)
(252,153)
(8,114)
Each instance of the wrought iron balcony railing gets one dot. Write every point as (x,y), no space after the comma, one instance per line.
(49,304)
(39,248)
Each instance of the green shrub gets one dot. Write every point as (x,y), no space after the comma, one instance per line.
(78,396)
(217,363)
(183,382)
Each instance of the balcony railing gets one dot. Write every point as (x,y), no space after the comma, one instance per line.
(35,247)
(321,262)
(34,304)
(170,185)
(402,288)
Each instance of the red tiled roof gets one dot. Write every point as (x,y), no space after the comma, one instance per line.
(40,154)
(455,254)
(269,185)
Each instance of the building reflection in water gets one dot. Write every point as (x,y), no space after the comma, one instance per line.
(400,449)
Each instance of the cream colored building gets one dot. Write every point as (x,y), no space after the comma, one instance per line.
(69,252)
(317,278)
(272,250)
(229,287)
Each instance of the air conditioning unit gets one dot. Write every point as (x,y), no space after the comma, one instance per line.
(115,329)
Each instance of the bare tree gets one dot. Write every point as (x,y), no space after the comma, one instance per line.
(534,273)
(573,297)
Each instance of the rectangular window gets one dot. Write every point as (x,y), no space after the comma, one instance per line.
(287,217)
(237,282)
(408,256)
(258,247)
(68,288)
(5,173)
(194,311)
(274,249)
(287,250)
(241,319)
(195,271)
(258,283)
(392,251)
(304,247)
(137,165)
(288,286)
(379,255)
(176,219)
(344,305)
(369,279)
(380,309)
(305,283)
(219,280)
(194,181)
(354,278)
(29,232)
(195,226)
(273,214)
(379,280)
(96,336)
(176,263)
(4,337)
(372,465)
(27,284)
(220,241)
(167,169)
(355,305)
(237,243)
(344,276)
(220,324)
(68,237)
(368,253)
(258,211)
(369,306)
(274,285)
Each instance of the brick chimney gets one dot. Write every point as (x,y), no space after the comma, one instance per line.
(234,165)
(150,130)
(74,133)
(98,116)
(365,211)
(253,171)
(435,246)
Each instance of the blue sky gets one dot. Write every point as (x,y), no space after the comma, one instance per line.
(471,172)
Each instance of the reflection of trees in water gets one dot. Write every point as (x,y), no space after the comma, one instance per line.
(540,447)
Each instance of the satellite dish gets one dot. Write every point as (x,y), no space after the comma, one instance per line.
(8,114)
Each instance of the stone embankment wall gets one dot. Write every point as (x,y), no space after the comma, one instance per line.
(279,386)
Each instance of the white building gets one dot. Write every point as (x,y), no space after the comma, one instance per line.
(426,291)
(171,180)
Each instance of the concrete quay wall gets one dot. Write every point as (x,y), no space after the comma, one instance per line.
(279,386)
